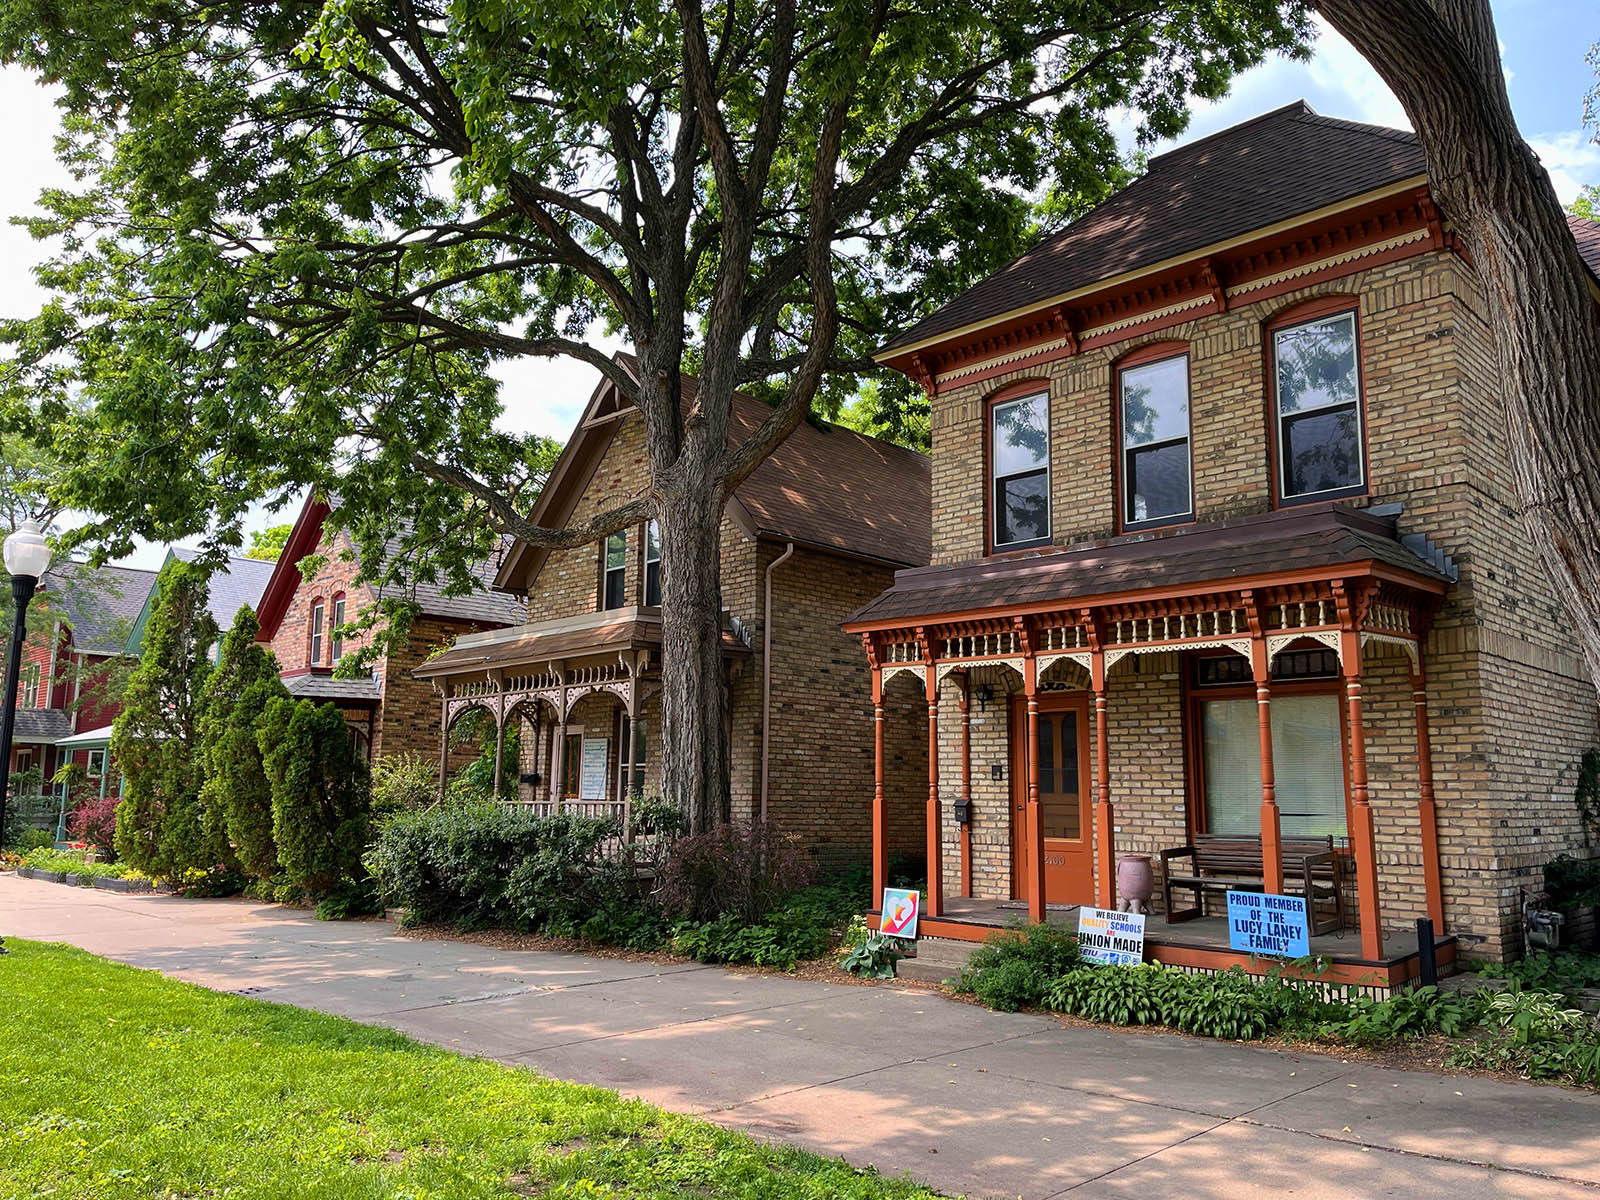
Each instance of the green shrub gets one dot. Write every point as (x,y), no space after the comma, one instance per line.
(1572,881)
(1536,1035)
(1015,969)
(35,839)
(236,795)
(742,870)
(783,939)
(353,898)
(874,956)
(402,782)
(484,864)
(1412,1013)
(320,797)
(1549,971)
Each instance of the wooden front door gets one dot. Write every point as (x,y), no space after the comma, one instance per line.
(1064,803)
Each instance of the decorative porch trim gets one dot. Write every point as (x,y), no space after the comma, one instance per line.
(891,670)
(1409,645)
(1331,638)
(1082,657)
(1115,654)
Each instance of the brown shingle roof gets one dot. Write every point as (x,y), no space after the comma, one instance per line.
(1289,540)
(1282,164)
(1587,235)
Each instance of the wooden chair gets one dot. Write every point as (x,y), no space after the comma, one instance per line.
(1219,863)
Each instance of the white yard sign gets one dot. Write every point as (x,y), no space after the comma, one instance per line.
(1106,936)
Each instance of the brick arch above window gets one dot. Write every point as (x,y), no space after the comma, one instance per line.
(1308,307)
(316,630)
(1150,352)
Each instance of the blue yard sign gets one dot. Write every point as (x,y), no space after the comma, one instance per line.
(1263,923)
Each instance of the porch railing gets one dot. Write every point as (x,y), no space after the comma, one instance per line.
(619,811)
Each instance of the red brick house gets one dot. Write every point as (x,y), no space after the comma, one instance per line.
(816,531)
(301,620)
(1225,547)
(69,681)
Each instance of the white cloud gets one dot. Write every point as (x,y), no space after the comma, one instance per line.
(1572,158)
(1341,71)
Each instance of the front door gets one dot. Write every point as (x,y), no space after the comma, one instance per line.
(1064,806)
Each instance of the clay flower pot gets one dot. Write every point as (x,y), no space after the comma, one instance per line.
(1136,882)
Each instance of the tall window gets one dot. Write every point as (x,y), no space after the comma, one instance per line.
(316,633)
(336,634)
(1317,401)
(652,564)
(1307,765)
(1019,441)
(1155,442)
(30,685)
(572,765)
(615,569)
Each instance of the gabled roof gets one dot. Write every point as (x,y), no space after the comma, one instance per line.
(100,604)
(826,488)
(229,589)
(315,685)
(41,726)
(1282,165)
(484,606)
(1587,234)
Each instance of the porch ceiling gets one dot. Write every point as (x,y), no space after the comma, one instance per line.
(1289,544)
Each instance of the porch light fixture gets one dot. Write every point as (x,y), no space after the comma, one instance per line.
(985,694)
(27,557)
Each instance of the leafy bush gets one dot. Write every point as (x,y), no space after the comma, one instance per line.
(75,862)
(95,821)
(401,783)
(1549,971)
(236,794)
(486,864)
(1015,969)
(1572,881)
(354,898)
(26,810)
(788,935)
(33,839)
(740,870)
(320,797)
(874,956)
(1413,1013)
(1536,1036)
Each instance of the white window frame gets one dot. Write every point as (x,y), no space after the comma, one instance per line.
(317,614)
(90,769)
(32,682)
(336,639)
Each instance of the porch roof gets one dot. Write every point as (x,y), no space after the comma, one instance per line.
(1284,544)
(41,726)
(590,634)
(317,685)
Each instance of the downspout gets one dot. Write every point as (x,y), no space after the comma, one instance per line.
(766,672)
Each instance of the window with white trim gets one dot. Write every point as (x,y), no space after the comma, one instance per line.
(31,675)
(1317,408)
(1019,449)
(96,767)
(317,614)
(336,633)
(1156,462)
(652,564)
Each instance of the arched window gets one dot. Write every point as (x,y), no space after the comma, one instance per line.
(335,634)
(314,657)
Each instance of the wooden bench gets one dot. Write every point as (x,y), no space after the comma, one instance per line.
(1230,863)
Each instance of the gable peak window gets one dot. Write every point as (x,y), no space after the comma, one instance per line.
(1019,443)
(1316,374)
(614,571)
(317,614)
(652,564)
(1157,466)
(31,676)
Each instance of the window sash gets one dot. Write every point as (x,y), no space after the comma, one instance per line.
(1307,762)
(31,678)
(652,564)
(338,622)
(96,766)
(316,634)
(1155,419)
(616,567)
(1014,462)
(1307,392)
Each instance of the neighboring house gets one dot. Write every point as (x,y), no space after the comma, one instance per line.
(1225,543)
(71,672)
(301,618)
(825,522)
(238,584)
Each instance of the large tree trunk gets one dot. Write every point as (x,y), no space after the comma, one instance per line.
(1441,58)
(694,701)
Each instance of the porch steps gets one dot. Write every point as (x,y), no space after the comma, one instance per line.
(937,959)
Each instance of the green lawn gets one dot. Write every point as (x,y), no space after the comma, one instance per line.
(117,1082)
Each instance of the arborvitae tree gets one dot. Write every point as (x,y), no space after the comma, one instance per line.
(159,830)
(236,799)
(321,798)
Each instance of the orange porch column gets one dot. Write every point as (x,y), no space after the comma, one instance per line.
(1105,832)
(1271,824)
(935,898)
(1427,814)
(1362,838)
(880,806)
(965,700)
(1034,884)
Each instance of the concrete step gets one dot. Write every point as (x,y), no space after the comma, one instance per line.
(937,959)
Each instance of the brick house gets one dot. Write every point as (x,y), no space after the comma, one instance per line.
(390,711)
(1225,546)
(823,523)
(71,675)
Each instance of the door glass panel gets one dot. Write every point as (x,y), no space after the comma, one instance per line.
(1059,801)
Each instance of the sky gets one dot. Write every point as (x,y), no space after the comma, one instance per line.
(1542,48)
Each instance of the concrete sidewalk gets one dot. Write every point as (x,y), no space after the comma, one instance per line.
(969,1101)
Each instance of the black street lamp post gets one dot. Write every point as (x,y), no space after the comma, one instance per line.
(27,557)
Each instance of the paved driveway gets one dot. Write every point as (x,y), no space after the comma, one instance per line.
(969,1101)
